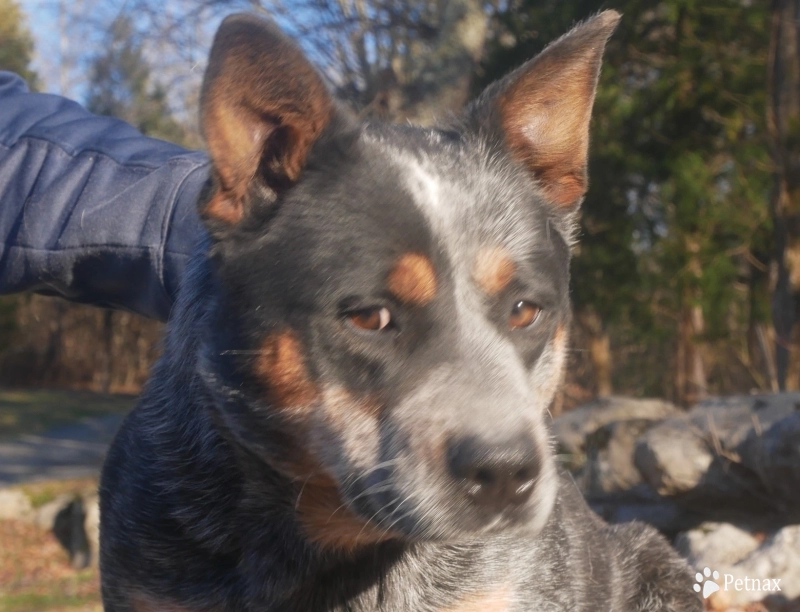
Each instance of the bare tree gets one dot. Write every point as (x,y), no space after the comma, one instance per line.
(400,59)
(783,116)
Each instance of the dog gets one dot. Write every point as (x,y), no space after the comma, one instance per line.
(349,414)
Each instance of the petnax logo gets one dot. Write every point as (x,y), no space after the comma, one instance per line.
(708,582)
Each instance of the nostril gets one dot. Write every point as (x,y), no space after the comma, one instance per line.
(484,477)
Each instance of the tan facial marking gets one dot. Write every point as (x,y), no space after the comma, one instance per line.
(330,523)
(560,337)
(282,366)
(494,269)
(413,279)
(339,403)
(497,600)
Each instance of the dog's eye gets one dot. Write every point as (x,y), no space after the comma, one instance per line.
(371,319)
(523,314)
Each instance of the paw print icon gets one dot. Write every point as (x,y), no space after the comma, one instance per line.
(709,586)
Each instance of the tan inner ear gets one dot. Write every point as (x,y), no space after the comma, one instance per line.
(546,120)
(546,111)
(263,108)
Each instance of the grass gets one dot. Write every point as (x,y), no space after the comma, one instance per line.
(41,493)
(34,412)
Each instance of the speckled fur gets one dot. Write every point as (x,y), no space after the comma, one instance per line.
(268,411)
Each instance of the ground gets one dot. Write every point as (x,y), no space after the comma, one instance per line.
(36,412)
(35,573)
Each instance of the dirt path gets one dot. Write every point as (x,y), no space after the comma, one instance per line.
(56,435)
(64,453)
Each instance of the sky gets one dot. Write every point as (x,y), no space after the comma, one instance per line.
(42,22)
(63,62)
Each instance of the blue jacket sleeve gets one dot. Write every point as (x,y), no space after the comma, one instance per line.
(90,209)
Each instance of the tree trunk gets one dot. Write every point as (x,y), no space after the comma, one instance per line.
(107,368)
(783,118)
(690,380)
(599,351)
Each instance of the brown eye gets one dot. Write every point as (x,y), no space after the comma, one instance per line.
(371,319)
(523,314)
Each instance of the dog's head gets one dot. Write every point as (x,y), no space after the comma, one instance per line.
(392,302)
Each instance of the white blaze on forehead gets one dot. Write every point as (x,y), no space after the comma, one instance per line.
(468,210)
(468,201)
(425,188)
(472,201)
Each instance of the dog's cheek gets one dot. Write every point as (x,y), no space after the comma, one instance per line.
(346,431)
(328,521)
(281,367)
(548,372)
(344,437)
(293,397)
(497,600)
(546,377)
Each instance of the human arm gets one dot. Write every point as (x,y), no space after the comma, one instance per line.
(90,209)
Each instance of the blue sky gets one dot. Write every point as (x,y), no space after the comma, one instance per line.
(42,20)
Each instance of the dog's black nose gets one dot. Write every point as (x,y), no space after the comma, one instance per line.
(495,475)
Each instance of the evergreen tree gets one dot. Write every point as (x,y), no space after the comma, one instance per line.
(121,86)
(16,42)
(16,53)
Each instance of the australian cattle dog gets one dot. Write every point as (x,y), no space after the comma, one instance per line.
(350,411)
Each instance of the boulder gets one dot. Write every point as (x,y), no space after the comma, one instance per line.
(45,515)
(718,451)
(773,454)
(14,505)
(715,545)
(571,429)
(777,557)
(609,465)
(69,529)
(92,526)
(673,457)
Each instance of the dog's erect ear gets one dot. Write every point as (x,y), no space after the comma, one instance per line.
(263,106)
(543,109)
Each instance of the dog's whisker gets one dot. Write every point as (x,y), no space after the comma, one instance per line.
(302,488)
(374,489)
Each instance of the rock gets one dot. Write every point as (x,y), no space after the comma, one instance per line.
(727,421)
(609,465)
(45,516)
(773,454)
(92,526)
(709,451)
(572,429)
(14,505)
(715,545)
(777,557)
(672,457)
(664,515)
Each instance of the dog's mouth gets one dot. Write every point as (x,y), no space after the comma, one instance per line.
(444,510)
